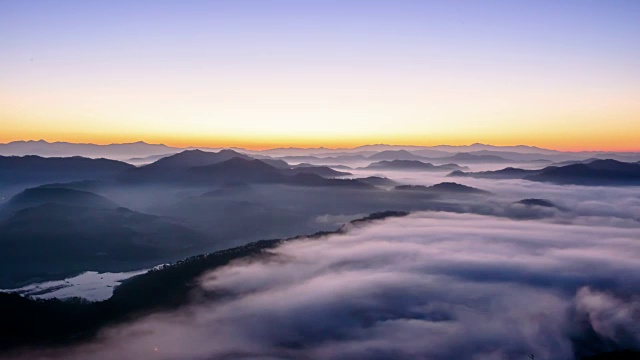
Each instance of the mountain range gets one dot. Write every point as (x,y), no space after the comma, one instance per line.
(412,165)
(141,152)
(109,215)
(33,169)
(198,167)
(443,188)
(63,149)
(596,172)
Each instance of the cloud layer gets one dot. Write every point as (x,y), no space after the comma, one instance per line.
(430,285)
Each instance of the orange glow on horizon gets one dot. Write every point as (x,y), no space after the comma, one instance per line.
(568,145)
(379,77)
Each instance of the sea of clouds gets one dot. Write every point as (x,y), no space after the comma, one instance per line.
(432,285)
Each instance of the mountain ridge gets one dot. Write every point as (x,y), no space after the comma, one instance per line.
(596,172)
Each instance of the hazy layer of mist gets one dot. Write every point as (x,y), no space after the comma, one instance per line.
(432,285)
(573,200)
(258,204)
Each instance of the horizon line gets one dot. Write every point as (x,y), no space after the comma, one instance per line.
(285,147)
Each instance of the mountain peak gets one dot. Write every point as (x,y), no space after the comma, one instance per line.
(58,195)
(536,202)
(444,187)
(195,157)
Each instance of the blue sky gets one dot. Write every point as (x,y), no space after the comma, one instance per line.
(303,71)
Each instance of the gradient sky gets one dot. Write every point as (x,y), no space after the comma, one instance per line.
(559,74)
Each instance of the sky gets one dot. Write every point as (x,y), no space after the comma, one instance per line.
(258,74)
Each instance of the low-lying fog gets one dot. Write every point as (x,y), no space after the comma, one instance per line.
(430,285)
(621,202)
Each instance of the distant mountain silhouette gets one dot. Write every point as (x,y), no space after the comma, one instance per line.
(596,172)
(378,181)
(344,158)
(234,169)
(44,195)
(623,157)
(276,163)
(147,159)
(307,165)
(323,171)
(65,149)
(612,165)
(307,179)
(340,167)
(523,149)
(345,152)
(190,158)
(525,157)
(301,158)
(39,170)
(256,171)
(141,152)
(82,185)
(471,158)
(395,155)
(312,159)
(572,162)
(506,173)
(292,151)
(195,167)
(301,165)
(412,165)
(172,168)
(430,153)
(445,187)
